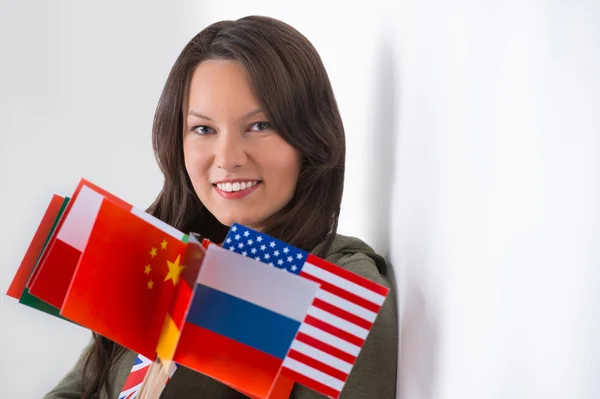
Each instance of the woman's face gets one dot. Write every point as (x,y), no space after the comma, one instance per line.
(241,169)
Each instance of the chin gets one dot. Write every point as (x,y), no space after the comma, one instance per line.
(229,220)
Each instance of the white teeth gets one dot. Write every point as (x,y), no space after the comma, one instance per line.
(237,186)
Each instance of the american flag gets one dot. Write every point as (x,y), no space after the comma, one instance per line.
(133,384)
(338,321)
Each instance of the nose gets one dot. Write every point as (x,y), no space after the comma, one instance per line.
(230,152)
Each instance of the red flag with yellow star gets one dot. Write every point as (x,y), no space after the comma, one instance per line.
(126,278)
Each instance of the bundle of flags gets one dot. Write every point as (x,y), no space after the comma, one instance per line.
(254,313)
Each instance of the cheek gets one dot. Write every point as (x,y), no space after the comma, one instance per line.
(196,162)
(286,167)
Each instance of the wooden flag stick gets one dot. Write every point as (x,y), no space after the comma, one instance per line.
(156,379)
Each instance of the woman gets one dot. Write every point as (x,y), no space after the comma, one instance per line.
(247,130)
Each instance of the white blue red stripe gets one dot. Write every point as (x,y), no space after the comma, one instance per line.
(249,302)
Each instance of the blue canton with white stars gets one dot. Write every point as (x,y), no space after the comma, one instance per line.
(264,248)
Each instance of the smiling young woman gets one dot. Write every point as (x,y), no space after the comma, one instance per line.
(247,130)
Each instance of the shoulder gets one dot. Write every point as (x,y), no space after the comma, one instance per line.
(373,374)
(356,255)
(72,383)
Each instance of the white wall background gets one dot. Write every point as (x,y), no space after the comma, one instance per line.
(496,216)
(78,85)
(473,144)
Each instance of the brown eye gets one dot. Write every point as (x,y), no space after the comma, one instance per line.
(261,126)
(203,130)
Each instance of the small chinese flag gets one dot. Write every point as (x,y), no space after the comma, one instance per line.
(126,277)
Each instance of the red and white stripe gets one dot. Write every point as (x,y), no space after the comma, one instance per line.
(134,380)
(335,327)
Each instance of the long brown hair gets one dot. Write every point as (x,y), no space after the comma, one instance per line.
(292,85)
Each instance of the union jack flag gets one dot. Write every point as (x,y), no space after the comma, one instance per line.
(338,321)
(133,384)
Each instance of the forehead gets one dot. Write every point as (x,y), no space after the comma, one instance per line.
(221,88)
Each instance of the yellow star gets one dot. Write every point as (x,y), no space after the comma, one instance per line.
(163,244)
(174,270)
(153,252)
(150,284)
(147,269)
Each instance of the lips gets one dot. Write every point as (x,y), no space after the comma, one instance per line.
(236,186)
(235,190)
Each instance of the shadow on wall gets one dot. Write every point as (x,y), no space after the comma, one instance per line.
(418,337)
(418,329)
(382,148)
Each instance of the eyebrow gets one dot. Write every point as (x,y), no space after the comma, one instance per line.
(248,115)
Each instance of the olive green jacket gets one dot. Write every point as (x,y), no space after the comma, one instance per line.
(373,375)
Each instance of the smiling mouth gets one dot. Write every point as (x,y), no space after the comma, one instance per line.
(237,186)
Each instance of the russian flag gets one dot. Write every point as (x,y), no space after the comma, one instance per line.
(242,321)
